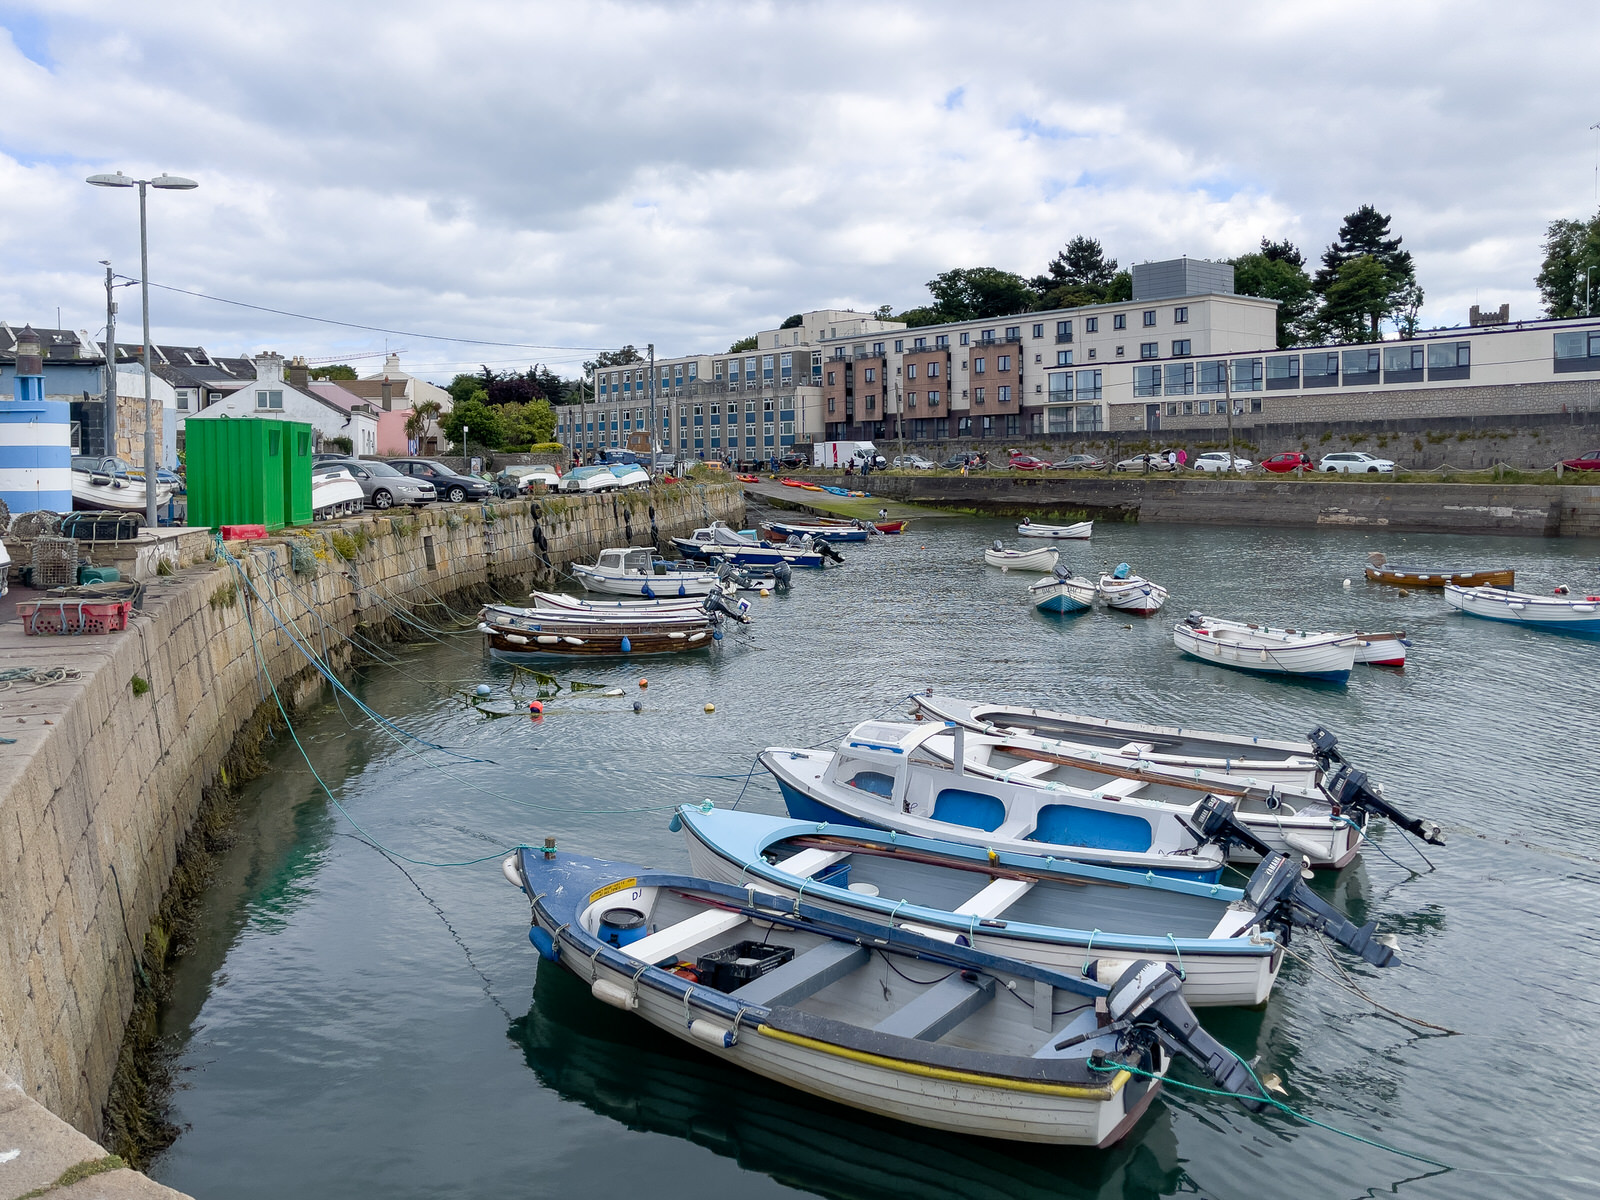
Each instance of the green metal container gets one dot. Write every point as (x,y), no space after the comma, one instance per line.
(296,472)
(235,469)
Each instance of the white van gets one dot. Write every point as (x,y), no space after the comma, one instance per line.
(855,454)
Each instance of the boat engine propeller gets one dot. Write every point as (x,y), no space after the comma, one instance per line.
(1347,788)
(1282,898)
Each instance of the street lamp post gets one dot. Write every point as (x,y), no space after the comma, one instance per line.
(173,183)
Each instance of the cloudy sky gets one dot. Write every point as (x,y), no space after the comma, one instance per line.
(574,175)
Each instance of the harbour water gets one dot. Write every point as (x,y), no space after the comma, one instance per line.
(352,1023)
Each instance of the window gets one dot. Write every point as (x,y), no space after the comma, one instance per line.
(1149,349)
(1063,358)
(1038,331)
(977,395)
(1359,362)
(1013,333)
(941,341)
(1091,324)
(1120,321)
(1004,396)
(899,345)
(1320,369)
(1247,375)
(1060,387)
(877,349)
(1147,381)
(270,401)
(1063,331)
(1088,385)
(715,409)
(872,402)
(986,336)
(830,378)
(1402,360)
(911,399)
(872,375)
(1121,350)
(1205,405)
(933,399)
(1180,315)
(1002,362)
(183,399)
(966,338)
(766,407)
(1093,352)
(977,366)
(1453,360)
(1149,318)
(785,367)
(830,404)
(1283,371)
(1180,347)
(933,370)
(1179,379)
(786,428)
(911,370)
(1211,377)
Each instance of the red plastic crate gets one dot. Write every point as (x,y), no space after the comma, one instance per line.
(73,616)
(243,533)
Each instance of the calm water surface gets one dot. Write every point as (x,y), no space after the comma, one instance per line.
(353,1025)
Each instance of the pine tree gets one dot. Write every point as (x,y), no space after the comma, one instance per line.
(1364,234)
(1080,273)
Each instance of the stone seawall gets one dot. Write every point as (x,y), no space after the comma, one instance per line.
(102,784)
(1524,509)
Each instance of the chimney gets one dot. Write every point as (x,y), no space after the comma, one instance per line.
(30,354)
(388,395)
(298,375)
(269,367)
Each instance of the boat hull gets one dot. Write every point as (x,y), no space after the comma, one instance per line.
(1063,595)
(648,587)
(1041,559)
(1578,616)
(1135,595)
(1321,660)
(1081,531)
(1438,577)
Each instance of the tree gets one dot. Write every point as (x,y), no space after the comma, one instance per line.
(484,424)
(971,293)
(884,312)
(421,418)
(466,387)
(1365,234)
(1079,274)
(747,343)
(334,371)
(526,423)
(1361,293)
(612,358)
(925,315)
(793,322)
(1277,272)
(1570,248)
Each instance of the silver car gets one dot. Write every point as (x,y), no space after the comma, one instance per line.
(384,487)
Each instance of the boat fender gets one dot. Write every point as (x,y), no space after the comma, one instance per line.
(676,824)
(650,595)
(535,707)
(547,639)
(511,637)
(711,1033)
(627,646)
(613,994)
(544,944)
(695,637)
(572,641)
(482,628)
(716,635)
(1106,970)
(1304,847)
(508,868)
(637,707)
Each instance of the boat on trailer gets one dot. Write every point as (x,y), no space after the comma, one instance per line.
(335,492)
(961,1040)
(1317,657)
(110,484)
(1079,530)
(1227,941)
(1035,558)
(1379,571)
(1563,612)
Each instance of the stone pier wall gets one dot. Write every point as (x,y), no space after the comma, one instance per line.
(102,784)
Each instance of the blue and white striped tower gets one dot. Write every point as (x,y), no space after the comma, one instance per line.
(35,439)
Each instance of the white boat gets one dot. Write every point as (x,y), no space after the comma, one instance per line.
(1039,558)
(629,474)
(1374,649)
(1063,593)
(588,479)
(1132,593)
(1058,914)
(881,775)
(1326,657)
(909,1027)
(1561,613)
(335,492)
(559,602)
(106,483)
(1080,530)
(631,571)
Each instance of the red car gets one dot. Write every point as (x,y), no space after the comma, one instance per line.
(1293,460)
(1027,462)
(1587,461)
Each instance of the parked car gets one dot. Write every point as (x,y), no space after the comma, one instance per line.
(1356,462)
(791,460)
(384,487)
(911,462)
(1079,462)
(450,485)
(1587,461)
(1147,462)
(963,458)
(1217,460)
(1027,462)
(1289,460)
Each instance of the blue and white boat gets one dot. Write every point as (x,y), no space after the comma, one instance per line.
(1063,592)
(717,543)
(882,776)
(1295,654)
(821,532)
(1558,613)
(1228,942)
(955,1039)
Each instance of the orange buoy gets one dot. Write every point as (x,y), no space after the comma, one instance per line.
(535,707)
(644,683)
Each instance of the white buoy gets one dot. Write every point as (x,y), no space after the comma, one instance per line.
(1347,583)
(484,689)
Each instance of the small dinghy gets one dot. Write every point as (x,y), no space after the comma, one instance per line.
(717,543)
(782,531)
(950,1038)
(891,526)
(624,571)
(1379,571)
(1374,649)
(1081,530)
(109,483)
(1559,613)
(1322,657)
(1227,941)
(1132,593)
(335,492)
(1063,592)
(1038,558)
(517,633)
(557,603)
(882,776)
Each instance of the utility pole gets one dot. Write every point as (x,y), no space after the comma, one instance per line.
(1227,395)
(110,424)
(900,417)
(651,442)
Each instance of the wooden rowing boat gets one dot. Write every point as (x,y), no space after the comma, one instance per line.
(1379,571)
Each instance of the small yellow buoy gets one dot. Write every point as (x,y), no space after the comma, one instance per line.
(764,592)
(644,683)
(711,708)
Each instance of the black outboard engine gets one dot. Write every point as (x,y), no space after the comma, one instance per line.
(1061,572)
(1148,998)
(1349,790)
(1215,820)
(781,575)
(1282,898)
(1195,619)
(717,606)
(821,546)
(999,545)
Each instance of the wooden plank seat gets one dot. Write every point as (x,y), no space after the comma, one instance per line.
(1121,789)
(809,862)
(1023,772)
(996,898)
(804,976)
(938,1009)
(672,941)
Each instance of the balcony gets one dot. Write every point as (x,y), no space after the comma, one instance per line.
(1063,339)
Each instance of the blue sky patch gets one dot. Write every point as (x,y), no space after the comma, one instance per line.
(955,97)
(30,33)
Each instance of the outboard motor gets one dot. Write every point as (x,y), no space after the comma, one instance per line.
(1282,899)
(1348,790)
(717,606)
(1148,999)
(1195,619)
(1215,820)
(1061,572)
(781,575)
(999,545)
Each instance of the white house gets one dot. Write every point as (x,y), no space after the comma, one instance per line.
(271,396)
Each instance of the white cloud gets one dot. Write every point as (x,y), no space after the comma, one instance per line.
(593,174)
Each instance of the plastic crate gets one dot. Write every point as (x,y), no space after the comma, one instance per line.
(74,616)
(738,964)
(243,533)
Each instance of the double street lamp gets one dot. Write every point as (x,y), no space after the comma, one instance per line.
(172,183)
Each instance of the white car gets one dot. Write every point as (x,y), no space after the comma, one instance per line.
(1356,462)
(1217,460)
(911,462)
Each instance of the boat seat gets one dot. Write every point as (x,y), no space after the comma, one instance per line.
(685,935)
(1121,789)
(1136,749)
(804,976)
(1017,827)
(1030,770)
(809,862)
(996,898)
(938,1009)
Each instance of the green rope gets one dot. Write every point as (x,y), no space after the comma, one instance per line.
(1269,1099)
